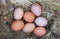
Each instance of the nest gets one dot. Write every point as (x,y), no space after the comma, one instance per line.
(50,10)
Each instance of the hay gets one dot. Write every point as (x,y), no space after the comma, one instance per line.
(50,10)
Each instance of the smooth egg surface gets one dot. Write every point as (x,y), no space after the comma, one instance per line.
(40,31)
(41,21)
(18,13)
(29,27)
(29,17)
(36,9)
(17,25)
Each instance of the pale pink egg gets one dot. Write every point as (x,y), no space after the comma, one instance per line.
(18,13)
(36,9)
(41,21)
(29,27)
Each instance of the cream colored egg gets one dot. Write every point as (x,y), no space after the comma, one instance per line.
(29,27)
(18,13)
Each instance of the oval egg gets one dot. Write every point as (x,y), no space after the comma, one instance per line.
(18,13)
(17,25)
(40,31)
(36,9)
(29,17)
(29,27)
(41,21)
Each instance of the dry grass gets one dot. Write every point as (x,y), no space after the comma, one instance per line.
(50,10)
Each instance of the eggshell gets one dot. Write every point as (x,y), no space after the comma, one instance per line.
(29,17)
(29,27)
(36,9)
(18,13)
(17,25)
(40,31)
(41,21)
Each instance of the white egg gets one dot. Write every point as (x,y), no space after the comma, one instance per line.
(41,21)
(18,13)
(36,9)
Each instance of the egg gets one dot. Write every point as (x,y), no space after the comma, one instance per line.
(29,27)
(41,21)
(29,17)
(40,31)
(36,9)
(17,25)
(18,13)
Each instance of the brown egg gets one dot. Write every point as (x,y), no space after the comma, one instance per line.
(17,25)
(29,17)
(40,31)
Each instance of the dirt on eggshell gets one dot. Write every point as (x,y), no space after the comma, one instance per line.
(50,10)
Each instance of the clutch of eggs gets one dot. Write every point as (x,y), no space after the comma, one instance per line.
(29,18)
